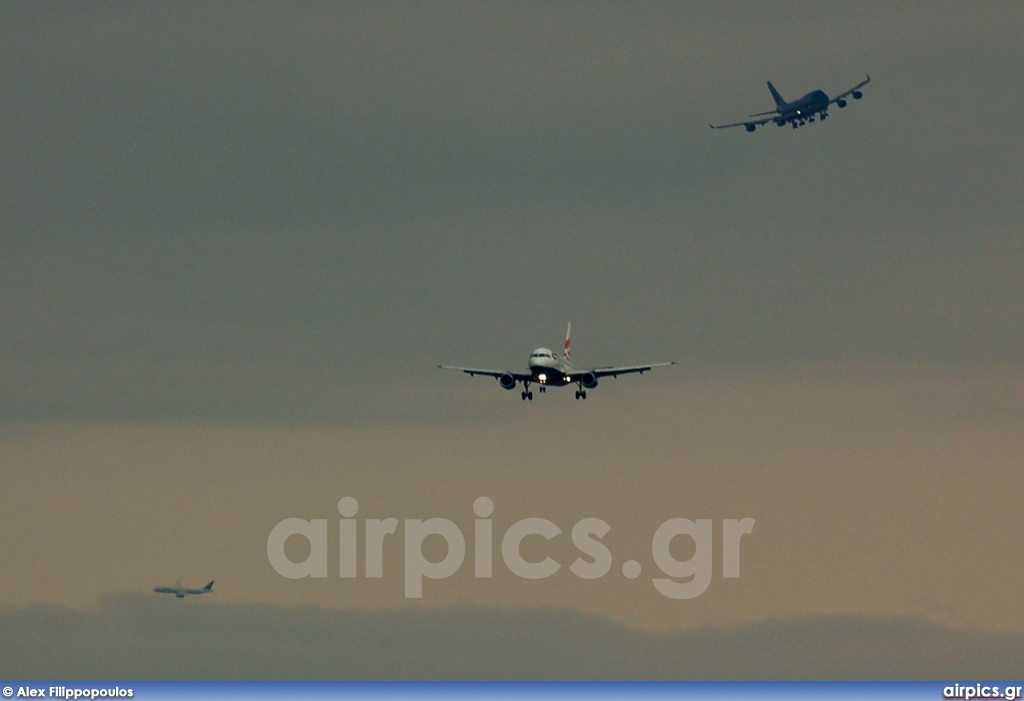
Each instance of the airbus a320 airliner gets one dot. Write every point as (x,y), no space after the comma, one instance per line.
(181,592)
(799,112)
(547,370)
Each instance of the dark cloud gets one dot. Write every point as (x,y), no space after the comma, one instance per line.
(131,637)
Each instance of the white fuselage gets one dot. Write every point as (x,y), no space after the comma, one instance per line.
(549,369)
(181,592)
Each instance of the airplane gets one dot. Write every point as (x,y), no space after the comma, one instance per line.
(181,592)
(799,112)
(547,370)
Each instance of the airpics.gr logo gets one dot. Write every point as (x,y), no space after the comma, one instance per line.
(595,560)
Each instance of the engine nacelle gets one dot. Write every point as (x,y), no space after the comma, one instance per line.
(507,381)
(857,94)
(840,103)
(589,380)
(750,127)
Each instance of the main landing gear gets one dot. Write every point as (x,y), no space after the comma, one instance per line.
(581,393)
(527,394)
(808,120)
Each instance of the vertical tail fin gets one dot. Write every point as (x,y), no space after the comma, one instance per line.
(177,585)
(779,102)
(568,341)
(209,587)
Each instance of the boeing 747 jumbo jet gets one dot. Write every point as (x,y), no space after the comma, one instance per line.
(181,592)
(547,369)
(801,111)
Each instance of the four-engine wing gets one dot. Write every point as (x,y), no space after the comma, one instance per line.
(851,91)
(749,124)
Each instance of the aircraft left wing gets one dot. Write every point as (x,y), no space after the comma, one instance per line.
(750,122)
(625,369)
(852,90)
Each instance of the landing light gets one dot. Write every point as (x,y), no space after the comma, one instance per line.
(542,377)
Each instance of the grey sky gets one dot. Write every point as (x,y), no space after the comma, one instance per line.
(236,240)
(314,197)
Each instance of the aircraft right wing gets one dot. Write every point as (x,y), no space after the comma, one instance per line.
(519,376)
(852,90)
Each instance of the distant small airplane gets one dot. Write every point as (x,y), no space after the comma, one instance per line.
(546,370)
(181,592)
(799,112)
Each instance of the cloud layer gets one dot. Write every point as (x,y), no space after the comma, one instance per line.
(133,637)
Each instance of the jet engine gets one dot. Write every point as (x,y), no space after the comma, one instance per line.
(857,94)
(840,103)
(589,380)
(508,381)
